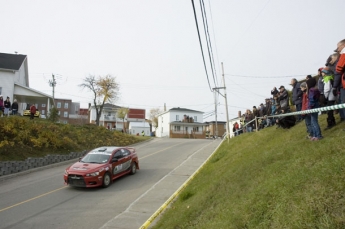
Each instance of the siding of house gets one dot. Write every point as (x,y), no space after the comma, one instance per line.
(7,84)
(165,129)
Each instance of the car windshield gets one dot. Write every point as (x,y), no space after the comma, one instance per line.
(97,158)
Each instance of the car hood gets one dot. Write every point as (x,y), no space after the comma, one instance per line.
(81,166)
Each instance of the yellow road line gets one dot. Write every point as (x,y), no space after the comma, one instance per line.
(23,202)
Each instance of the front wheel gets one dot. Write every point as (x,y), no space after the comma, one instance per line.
(106,180)
(133,168)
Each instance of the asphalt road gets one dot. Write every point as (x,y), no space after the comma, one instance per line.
(41,200)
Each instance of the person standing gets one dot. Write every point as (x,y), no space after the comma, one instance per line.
(330,98)
(320,85)
(7,106)
(283,97)
(14,107)
(249,117)
(1,106)
(32,111)
(339,81)
(296,97)
(306,117)
(143,133)
(313,102)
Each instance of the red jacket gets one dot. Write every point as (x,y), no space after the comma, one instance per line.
(33,109)
(304,101)
(340,68)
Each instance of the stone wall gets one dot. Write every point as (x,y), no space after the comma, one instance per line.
(10,167)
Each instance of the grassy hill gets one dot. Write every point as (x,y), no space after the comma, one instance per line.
(273,178)
(21,138)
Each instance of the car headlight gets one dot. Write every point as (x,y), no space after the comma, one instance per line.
(66,173)
(92,174)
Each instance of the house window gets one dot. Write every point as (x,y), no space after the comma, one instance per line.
(177,128)
(65,114)
(109,113)
(66,106)
(177,117)
(195,118)
(58,105)
(43,112)
(43,105)
(65,122)
(196,129)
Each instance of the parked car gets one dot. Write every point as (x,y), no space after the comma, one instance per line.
(101,166)
(27,112)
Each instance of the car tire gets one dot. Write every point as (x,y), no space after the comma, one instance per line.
(133,168)
(106,180)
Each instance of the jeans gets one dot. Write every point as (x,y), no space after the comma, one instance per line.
(307,119)
(299,108)
(315,128)
(249,129)
(342,100)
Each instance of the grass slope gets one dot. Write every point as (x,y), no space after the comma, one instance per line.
(274,178)
(21,138)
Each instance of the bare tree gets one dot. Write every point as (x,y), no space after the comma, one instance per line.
(121,113)
(104,89)
(153,115)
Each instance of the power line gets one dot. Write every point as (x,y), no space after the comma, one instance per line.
(202,51)
(265,76)
(208,40)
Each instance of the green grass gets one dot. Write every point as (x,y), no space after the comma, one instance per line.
(21,138)
(273,178)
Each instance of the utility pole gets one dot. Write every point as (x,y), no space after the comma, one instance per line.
(226,104)
(215,109)
(52,83)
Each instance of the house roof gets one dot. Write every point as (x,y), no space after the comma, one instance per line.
(184,109)
(108,105)
(11,61)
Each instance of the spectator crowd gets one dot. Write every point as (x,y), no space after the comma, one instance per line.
(327,88)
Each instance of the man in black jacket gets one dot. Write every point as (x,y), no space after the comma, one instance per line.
(296,97)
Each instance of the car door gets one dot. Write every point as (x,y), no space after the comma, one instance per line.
(120,162)
(127,160)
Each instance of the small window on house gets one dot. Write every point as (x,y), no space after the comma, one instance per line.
(177,128)
(195,118)
(65,122)
(43,112)
(177,118)
(196,129)
(58,105)
(65,114)
(43,105)
(66,106)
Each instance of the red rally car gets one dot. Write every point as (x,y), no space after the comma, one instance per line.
(101,166)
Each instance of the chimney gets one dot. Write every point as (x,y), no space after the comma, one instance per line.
(165,107)
(239,114)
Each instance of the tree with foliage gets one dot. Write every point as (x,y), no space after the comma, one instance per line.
(153,116)
(122,113)
(53,115)
(104,89)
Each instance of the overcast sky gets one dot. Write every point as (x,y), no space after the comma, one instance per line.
(152,47)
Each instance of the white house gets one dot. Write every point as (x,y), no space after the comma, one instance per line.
(135,128)
(14,82)
(181,123)
(108,117)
